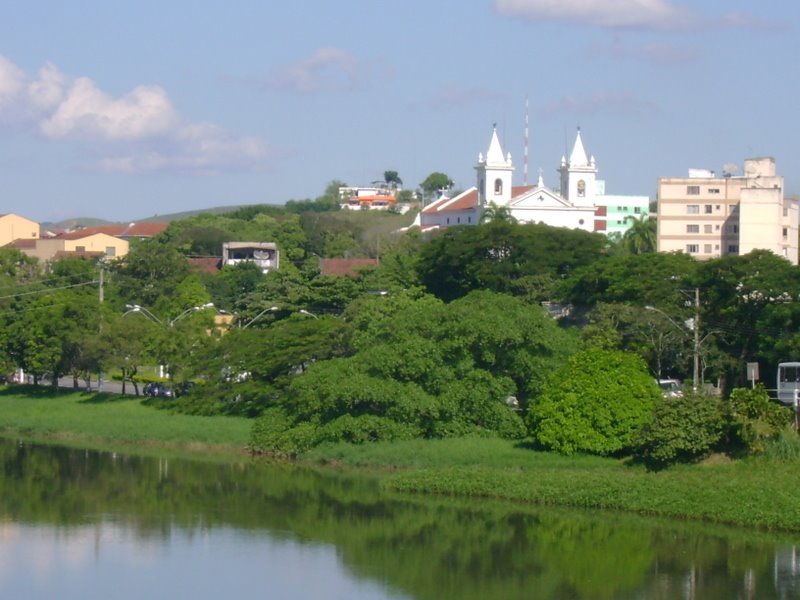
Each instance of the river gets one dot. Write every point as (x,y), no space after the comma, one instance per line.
(87,524)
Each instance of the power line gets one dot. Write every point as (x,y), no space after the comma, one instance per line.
(45,291)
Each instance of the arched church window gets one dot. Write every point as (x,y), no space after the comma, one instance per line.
(581,188)
(498,186)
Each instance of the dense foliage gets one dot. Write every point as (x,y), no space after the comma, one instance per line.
(683,429)
(594,403)
(445,336)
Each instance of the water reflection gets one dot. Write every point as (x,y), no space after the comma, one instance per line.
(125,526)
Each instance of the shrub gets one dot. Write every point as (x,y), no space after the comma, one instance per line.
(274,433)
(682,429)
(594,403)
(365,428)
(754,418)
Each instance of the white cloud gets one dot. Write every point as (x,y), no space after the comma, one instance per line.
(87,112)
(139,131)
(327,69)
(47,91)
(656,14)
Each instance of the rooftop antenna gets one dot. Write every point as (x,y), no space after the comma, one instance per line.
(525,167)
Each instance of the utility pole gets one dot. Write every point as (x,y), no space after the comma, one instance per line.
(100,292)
(696,376)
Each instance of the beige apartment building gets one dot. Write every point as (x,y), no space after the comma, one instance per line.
(13,227)
(708,216)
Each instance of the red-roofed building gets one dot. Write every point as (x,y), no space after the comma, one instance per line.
(345,266)
(579,205)
(139,231)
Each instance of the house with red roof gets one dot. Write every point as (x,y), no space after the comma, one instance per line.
(579,204)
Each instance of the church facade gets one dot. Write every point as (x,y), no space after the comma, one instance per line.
(578,205)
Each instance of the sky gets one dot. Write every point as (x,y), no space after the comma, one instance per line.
(123,111)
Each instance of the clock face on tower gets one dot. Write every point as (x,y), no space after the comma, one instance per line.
(581,188)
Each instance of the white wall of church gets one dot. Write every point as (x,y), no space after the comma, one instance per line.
(570,218)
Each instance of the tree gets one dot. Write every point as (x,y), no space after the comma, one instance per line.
(435,182)
(392,179)
(493,212)
(641,236)
(502,256)
(594,403)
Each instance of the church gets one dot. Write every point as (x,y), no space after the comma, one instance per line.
(580,204)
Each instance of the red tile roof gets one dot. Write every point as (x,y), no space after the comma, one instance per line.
(21,243)
(345,266)
(141,230)
(205,264)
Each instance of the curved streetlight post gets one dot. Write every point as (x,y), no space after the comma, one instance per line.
(258,316)
(307,313)
(137,308)
(191,310)
(696,345)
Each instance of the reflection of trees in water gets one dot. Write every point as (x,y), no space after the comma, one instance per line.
(429,548)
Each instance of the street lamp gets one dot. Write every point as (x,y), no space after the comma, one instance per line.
(258,316)
(135,308)
(305,312)
(695,327)
(191,310)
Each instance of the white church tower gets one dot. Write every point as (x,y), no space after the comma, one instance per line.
(579,176)
(494,174)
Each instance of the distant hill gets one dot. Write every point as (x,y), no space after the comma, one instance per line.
(92,222)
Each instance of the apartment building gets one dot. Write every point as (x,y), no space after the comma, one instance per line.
(708,216)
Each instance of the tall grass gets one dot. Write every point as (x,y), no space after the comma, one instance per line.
(756,492)
(45,412)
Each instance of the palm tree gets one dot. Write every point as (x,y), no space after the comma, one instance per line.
(640,237)
(493,212)
(392,179)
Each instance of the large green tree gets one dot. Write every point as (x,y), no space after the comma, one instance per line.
(594,403)
(504,257)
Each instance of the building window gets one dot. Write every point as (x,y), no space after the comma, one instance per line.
(785,212)
(709,208)
(469,219)
(448,220)
(707,228)
(713,190)
(693,229)
(498,186)
(716,227)
(459,220)
(693,209)
(581,188)
(706,248)
(692,248)
(637,210)
(80,248)
(692,190)
(111,251)
(785,233)
(733,249)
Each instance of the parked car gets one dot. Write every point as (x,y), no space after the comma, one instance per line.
(183,388)
(670,388)
(156,389)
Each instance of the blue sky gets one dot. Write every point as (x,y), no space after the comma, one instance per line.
(124,110)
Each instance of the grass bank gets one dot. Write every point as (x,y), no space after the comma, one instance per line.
(755,492)
(113,421)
